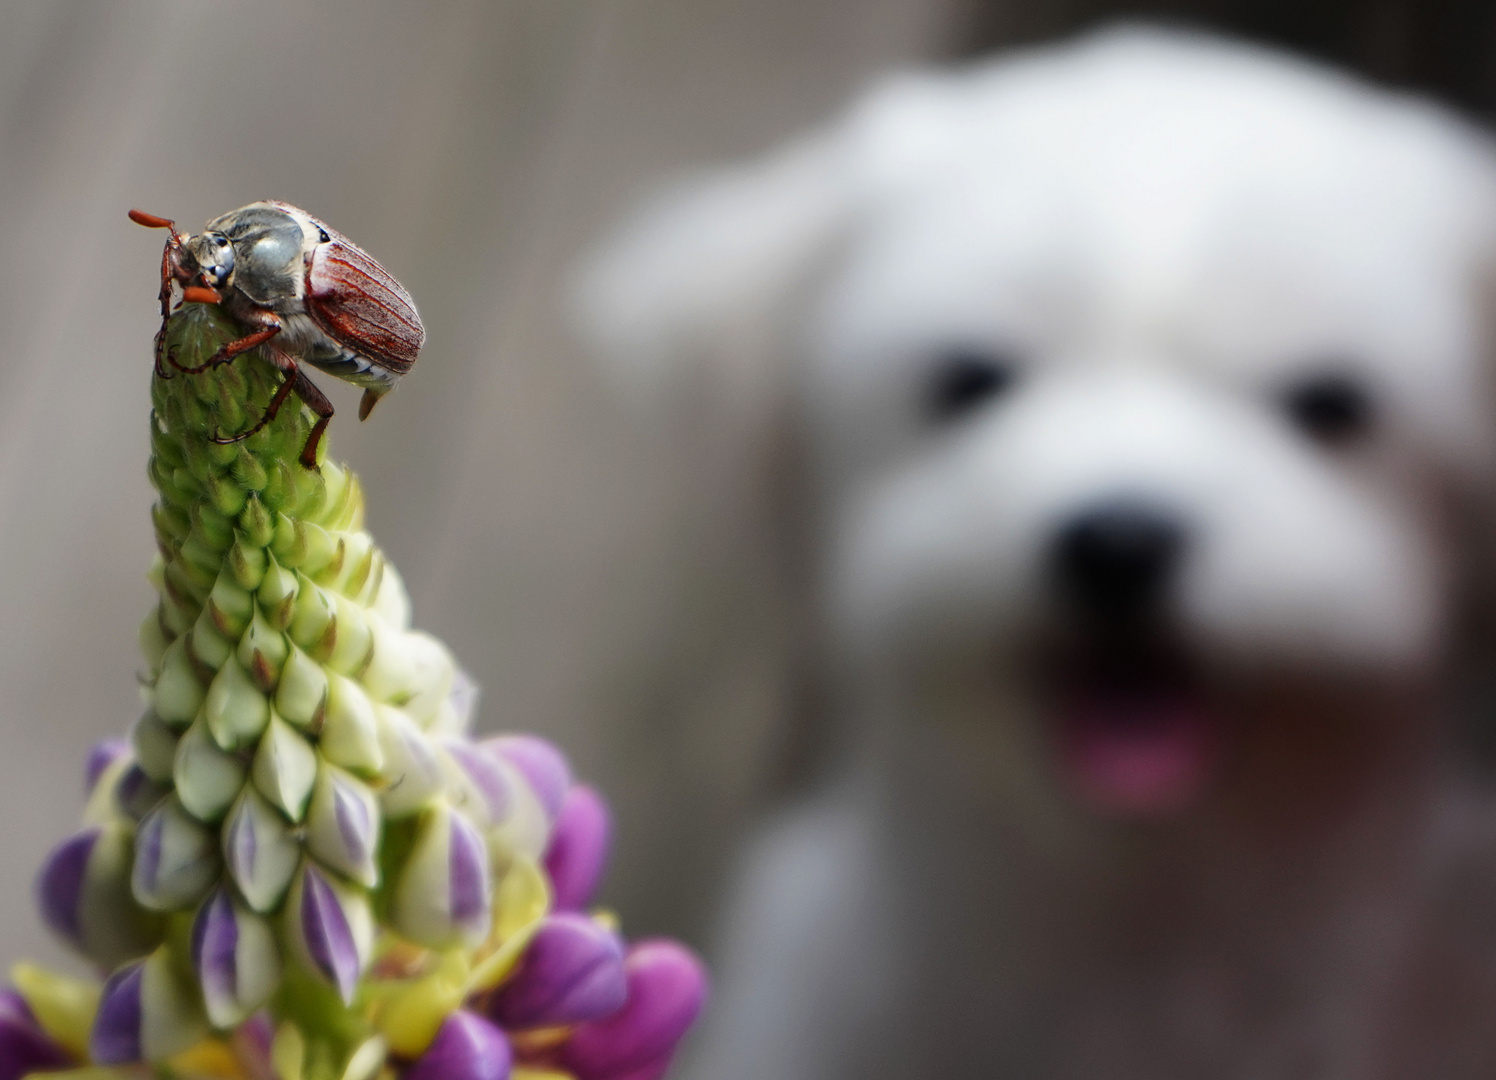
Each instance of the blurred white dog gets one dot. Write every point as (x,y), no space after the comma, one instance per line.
(1148,420)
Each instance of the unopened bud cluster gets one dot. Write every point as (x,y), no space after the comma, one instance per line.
(300,865)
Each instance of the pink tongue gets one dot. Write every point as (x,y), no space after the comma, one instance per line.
(1137,754)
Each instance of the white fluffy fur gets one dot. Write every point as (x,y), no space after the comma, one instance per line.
(1167,231)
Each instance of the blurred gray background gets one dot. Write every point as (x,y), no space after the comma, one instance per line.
(579,563)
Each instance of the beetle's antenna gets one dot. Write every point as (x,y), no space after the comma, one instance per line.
(173,243)
(152,221)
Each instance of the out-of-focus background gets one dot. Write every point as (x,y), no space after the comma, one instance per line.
(575,558)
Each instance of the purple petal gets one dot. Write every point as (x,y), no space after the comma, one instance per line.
(176,859)
(240,847)
(343,826)
(540,763)
(24,1047)
(355,824)
(467,863)
(329,938)
(485,774)
(13,1007)
(578,854)
(667,987)
(467,1047)
(115,1039)
(137,794)
(59,886)
(215,941)
(571,972)
(100,756)
(252,1042)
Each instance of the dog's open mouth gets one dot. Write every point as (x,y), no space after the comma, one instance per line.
(1136,734)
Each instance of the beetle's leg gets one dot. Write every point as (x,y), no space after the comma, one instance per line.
(231,350)
(296,382)
(315,400)
(282,392)
(165,298)
(173,241)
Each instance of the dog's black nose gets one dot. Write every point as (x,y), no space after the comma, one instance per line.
(1115,560)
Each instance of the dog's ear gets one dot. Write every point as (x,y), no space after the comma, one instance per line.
(693,289)
(707,273)
(692,309)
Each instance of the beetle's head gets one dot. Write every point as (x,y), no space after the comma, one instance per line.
(210,260)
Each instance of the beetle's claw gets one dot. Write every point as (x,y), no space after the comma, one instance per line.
(230,440)
(162,354)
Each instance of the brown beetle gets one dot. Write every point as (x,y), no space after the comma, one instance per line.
(303,291)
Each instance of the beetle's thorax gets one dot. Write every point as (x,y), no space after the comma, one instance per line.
(270,243)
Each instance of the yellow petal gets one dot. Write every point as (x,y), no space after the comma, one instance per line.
(63,1006)
(210,1058)
(288,1052)
(523,896)
(411,1017)
(498,965)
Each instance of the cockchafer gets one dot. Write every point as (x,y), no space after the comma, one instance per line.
(301,291)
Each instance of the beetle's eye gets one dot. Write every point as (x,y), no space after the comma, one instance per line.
(322,235)
(964,379)
(1333,408)
(221,241)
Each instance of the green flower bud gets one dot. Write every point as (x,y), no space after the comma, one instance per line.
(359,557)
(431,675)
(176,860)
(329,928)
(207,646)
(260,851)
(84,890)
(148,1012)
(301,697)
(207,779)
(250,473)
(409,756)
(350,732)
(155,746)
(153,641)
(102,807)
(354,640)
(199,555)
(216,529)
(262,651)
(177,694)
(285,768)
(324,563)
(342,826)
(392,602)
(230,606)
(391,668)
(313,620)
(177,612)
(246,562)
(224,495)
(235,957)
(277,594)
(236,710)
(442,894)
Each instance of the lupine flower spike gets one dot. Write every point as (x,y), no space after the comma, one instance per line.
(299,865)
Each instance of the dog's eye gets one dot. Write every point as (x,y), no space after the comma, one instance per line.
(964,379)
(1332,408)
